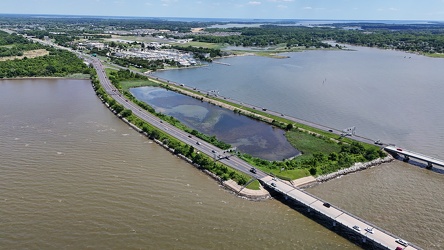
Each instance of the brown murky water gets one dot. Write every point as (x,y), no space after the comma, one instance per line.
(73,176)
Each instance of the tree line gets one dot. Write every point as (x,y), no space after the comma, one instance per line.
(427,39)
(58,63)
(178,147)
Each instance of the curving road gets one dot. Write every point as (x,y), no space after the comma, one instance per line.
(200,145)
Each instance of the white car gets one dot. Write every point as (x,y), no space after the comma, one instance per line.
(402,242)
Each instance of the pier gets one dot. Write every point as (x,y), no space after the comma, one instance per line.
(396,151)
(350,226)
(222,63)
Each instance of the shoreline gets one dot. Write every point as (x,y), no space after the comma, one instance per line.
(359,166)
(45,77)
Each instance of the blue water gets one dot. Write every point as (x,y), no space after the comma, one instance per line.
(393,96)
(248,135)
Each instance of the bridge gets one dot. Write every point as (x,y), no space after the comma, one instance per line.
(369,235)
(407,154)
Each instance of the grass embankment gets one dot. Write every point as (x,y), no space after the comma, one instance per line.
(177,147)
(323,152)
(434,55)
(254,185)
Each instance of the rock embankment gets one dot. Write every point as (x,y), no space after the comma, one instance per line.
(356,167)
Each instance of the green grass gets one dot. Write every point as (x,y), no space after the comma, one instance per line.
(126,85)
(310,144)
(434,55)
(254,185)
(199,44)
(290,174)
(78,76)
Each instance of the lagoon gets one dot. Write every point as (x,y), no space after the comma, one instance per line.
(388,95)
(248,135)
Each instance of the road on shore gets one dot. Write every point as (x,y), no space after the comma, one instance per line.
(200,145)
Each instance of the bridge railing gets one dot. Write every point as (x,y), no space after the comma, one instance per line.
(355,217)
(411,153)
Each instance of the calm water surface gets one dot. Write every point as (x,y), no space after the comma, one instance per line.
(387,95)
(248,135)
(73,176)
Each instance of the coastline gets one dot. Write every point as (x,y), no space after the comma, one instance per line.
(44,77)
(230,185)
(359,166)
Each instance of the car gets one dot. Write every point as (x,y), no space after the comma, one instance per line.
(356,228)
(161,121)
(330,130)
(198,143)
(213,151)
(189,136)
(399,149)
(402,242)
(326,204)
(253,170)
(273,184)
(369,230)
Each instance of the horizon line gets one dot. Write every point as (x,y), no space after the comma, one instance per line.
(215,18)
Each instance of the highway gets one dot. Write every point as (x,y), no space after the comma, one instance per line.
(348,220)
(337,215)
(200,145)
(270,112)
(430,160)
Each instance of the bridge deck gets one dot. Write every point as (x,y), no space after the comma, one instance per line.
(415,155)
(338,215)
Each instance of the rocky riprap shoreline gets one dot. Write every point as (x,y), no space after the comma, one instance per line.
(356,167)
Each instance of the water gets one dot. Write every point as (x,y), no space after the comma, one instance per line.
(248,135)
(388,95)
(73,176)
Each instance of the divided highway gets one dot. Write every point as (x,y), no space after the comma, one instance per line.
(198,144)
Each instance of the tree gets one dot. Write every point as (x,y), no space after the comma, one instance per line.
(313,171)
(289,126)
(126,112)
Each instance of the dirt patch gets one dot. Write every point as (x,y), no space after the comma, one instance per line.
(28,54)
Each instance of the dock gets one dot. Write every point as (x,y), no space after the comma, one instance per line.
(222,63)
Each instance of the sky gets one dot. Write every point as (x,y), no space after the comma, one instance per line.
(248,9)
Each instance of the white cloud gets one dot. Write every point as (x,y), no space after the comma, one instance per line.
(281,6)
(388,9)
(254,3)
(308,8)
(281,1)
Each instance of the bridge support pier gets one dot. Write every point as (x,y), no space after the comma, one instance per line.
(334,223)
(406,158)
(429,165)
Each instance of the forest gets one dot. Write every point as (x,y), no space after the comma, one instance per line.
(58,63)
(414,38)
